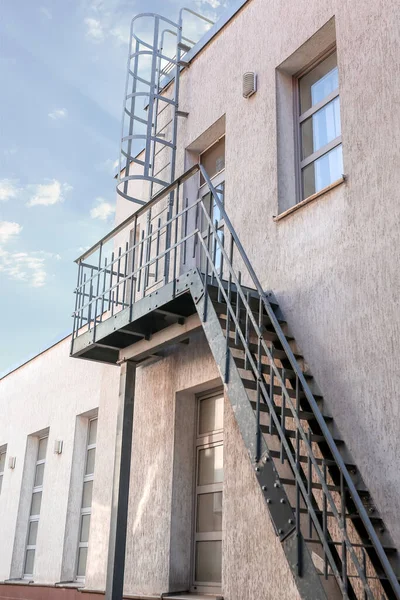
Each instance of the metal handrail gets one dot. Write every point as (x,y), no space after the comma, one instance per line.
(219,273)
(309,395)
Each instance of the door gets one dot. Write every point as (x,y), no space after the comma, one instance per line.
(208,502)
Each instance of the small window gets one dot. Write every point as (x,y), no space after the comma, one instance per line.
(36,504)
(320,141)
(86,504)
(2,465)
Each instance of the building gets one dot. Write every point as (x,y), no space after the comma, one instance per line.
(234,430)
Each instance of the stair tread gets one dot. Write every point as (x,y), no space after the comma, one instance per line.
(303,414)
(265,368)
(251,384)
(280,354)
(292,434)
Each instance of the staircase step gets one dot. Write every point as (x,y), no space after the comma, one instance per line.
(292,434)
(250,384)
(303,414)
(318,486)
(268,332)
(280,354)
(221,309)
(304,459)
(265,368)
(387,549)
(304,511)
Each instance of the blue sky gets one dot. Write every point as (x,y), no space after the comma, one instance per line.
(62,70)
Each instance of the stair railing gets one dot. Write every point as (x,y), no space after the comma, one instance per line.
(346,480)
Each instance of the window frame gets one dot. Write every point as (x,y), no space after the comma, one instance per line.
(204,441)
(301,164)
(3,450)
(35,518)
(84,511)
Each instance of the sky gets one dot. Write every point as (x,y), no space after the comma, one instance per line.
(62,73)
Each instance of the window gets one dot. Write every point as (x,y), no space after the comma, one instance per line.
(2,465)
(207,563)
(321,161)
(213,160)
(86,504)
(36,503)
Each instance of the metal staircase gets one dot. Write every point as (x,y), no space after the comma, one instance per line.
(333,536)
(173,259)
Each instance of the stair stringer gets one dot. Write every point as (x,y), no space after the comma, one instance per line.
(306,576)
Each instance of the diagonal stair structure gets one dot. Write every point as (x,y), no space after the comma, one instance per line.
(179,264)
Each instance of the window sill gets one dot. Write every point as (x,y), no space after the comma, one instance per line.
(310,199)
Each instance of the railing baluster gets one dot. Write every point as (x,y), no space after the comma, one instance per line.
(118,275)
(228,314)
(298,497)
(124,299)
(238,309)
(325,520)
(83,302)
(259,376)
(133,276)
(77,294)
(110,303)
(271,389)
(205,307)
(309,482)
(176,220)
(283,416)
(140,262)
(90,299)
(104,289)
(344,549)
(221,267)
(97,292)
(247,332)
(157,249)
(185,230)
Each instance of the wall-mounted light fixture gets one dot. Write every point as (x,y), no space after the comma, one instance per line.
(11,462)
(58,447)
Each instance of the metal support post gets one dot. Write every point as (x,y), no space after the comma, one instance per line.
(122,468)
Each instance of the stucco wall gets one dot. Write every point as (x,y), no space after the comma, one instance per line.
(333,265)
(158,546)
(49,392)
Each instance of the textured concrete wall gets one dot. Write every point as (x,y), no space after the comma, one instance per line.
(160,509)
(333,264)
(49,392)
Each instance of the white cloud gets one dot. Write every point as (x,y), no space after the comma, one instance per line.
(22,266)
(47,194)
(8,229)
(8,189)
(45,11)
(103,210)
(109,166)
(94,30)
(58,113)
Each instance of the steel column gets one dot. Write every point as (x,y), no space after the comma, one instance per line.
(120,497)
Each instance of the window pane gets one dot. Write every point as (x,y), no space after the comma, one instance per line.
(321,128)
(323,172)
(2,461)
(29,560)
(36,503)
(33,527)
(213,160)
(39,475)
(42,449)
(211,468)
(82,557)
(85,526)
(91,455)
(92,431)
(209,512)
(318,83)
(208,562)
(87,494)
(211,416)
